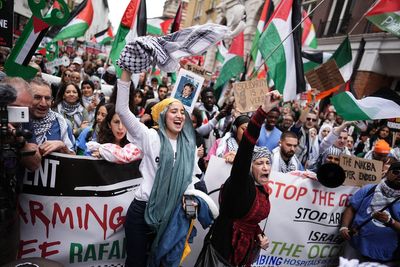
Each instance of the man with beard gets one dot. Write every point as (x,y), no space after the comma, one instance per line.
(377,240)
(307,120)
(284,158)
(270,134)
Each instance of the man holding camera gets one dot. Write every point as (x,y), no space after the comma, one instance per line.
(371,221)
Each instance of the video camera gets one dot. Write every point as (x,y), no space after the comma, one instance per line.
(12,139)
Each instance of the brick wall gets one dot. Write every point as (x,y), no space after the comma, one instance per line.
(367,82)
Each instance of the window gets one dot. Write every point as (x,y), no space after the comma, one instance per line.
(339,17)
(198,9)
(309,5)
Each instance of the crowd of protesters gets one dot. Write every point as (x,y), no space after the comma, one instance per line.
(75,117)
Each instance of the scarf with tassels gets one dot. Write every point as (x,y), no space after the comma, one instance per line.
(170,183)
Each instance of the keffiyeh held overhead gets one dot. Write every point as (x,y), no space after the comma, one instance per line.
(165,51)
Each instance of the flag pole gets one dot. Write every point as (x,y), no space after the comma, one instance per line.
(276,47)
(363,16)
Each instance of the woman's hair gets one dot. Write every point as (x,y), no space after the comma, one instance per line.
(197,114)
(105,133)
(376,136)
(63,75)
(113,97)
(61,92)
(139,92)
(107,106)
(89,82)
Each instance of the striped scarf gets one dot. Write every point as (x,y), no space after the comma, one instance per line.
(74,113)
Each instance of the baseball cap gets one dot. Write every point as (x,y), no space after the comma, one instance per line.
(77,60)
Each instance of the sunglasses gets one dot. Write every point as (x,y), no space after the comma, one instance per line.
(311,119)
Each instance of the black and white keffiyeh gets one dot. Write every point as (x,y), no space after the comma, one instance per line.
(232,144)
(42,126)
(279,165)
(260,152)
(165,51)
(74,112)
(383,195)
(285,168)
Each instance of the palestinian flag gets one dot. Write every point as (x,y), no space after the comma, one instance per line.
(158,26)
(265,16)
(133,24)
(342,56)
(309,38)
(233,64)
(78,25)
(368,108)
(33,33)
(176,25)
(221,52)
(385,14)
(284,64)
(344,59)
(104,36)
(311,60)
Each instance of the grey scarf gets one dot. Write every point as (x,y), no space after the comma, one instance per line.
(383,195)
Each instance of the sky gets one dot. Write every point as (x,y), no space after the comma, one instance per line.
(117,9)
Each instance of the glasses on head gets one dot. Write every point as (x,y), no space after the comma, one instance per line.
(38,98)
(311,119)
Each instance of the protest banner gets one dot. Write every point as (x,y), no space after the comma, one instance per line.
(359,171)
(249,95)
(325,76)
(303,225)
(50,65)
(394,124)
(6,23)
(72,210)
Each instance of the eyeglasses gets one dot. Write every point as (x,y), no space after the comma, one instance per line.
(311,119)
(39,98)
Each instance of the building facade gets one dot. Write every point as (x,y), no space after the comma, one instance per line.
(333,19)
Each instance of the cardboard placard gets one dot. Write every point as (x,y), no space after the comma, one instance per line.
(325,76)
(249,95)
(6,23)
(360,172)
(394,124)
(198,70)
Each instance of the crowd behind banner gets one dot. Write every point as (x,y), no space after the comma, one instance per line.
(75,117)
